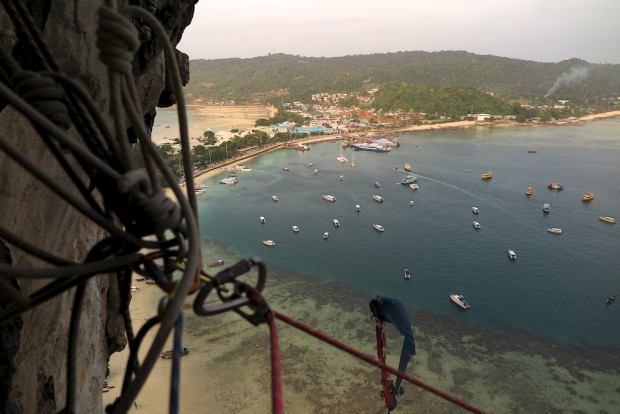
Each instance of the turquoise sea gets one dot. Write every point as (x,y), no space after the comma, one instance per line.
(547,306)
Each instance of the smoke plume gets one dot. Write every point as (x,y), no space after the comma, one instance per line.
(575,74)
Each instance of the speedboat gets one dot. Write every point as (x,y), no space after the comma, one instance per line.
(555,230)
(554,186)
(486,176)
(414,186)
(611,299)
(274,198)
(407,274)
(336,223)
(546,207)
(411,203)
(216,263)
(329,198)
(269,243)
(407,167)
(377,198)
(476,224)
(378,227)
(357,207)
(377,184)
(326,235)
(475,210)
(296,229)
(587,197)
(529,191)
(459,300)
(512,255)
(262,219)
(607,219)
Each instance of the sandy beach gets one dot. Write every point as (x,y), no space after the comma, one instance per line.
(228,366)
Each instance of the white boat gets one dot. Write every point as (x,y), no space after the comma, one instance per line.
(460,301)
(358,207)
(411,203)
(555,230)
(341,158)
(274,198)
(269,243)
(476,224)
(316,172)
(512,255)
(229,180)
(407,274)
(296,229)
(341,177)
(310,164)
(414,186)
(378,198)
(407,167)
(328,197)
(377,184)
(242,168)
(607,219)
(285,169)
(475,210)
(353,160)
(326,235)
(546,207)
(378,227)
(262,219)
(199,191)
(336,223)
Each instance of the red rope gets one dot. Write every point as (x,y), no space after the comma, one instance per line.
(344,347)
(277,405)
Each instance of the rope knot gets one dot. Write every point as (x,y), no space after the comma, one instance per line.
(117,40)
(44,94)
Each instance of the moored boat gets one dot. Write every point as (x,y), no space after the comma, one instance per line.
(336,222)
(459,300)
(409,179)
(295,229)
(546,207)
(611,299)
(269,243)
(378,198)
(486,176)
(475,210)
(414,186)
(329,198)
(216,263)
(407,274)
(274,198)
(512,255)
(475,224)
(587,197)
(555,186)
(529,191)
(326,235)
(261,219)
(377,184)
(407,167)
(555,230)
(607,219)
(378,227)
(358,207)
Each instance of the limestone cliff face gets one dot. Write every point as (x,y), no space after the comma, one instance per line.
(33,346)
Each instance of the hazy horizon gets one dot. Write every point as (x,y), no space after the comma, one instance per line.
(550,31)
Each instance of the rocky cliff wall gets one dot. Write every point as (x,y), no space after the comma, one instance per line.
(33,347)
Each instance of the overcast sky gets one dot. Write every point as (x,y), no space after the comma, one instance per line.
(540,30)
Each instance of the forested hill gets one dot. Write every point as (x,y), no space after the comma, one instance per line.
(293,78)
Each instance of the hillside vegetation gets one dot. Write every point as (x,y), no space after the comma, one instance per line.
(273,78)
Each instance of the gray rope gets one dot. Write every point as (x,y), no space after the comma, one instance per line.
(44,94)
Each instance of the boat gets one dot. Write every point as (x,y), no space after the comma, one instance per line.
(407,167)
(353,160)
(170,354)
(377,198)
(460,300)
(378,227)
(476,224)
(357,207)
(229,180)
(532,150)
(316,172)
(611,299)
(326,235)
(371,147)
(407,274)
(555,186)
(377,184)
(341,177)
(274,197)
(607,219)
(310,164)
(296,229)
(529,191)
(587,197)
(262,219)
(242,168)
(134,289)
(217,263)
(329,198)
(269,243)
(414,186)
(546,207)
(512,255)
(285,169)
(336,223)
(486,176)
(411,203)
(341,158)
(555,230)
(475,210)
(199,191)
(409,179)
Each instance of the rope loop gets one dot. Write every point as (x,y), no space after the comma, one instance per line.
(117,40)
(155,211)
(43,93)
